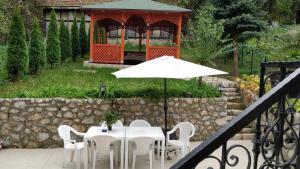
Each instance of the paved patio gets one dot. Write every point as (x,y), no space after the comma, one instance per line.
(52,159)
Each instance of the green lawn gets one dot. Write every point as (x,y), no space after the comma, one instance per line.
(65,82)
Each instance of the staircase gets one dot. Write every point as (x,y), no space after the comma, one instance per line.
(230,90)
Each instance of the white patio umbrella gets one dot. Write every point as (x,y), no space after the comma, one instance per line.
(167,67)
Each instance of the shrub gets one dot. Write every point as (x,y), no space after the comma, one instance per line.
(205,35)
(16,52)
(65,42)
(82,37)
(37,49)
(75,40)
(53,44)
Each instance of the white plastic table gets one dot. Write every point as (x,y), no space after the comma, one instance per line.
(154,132)
(117,132)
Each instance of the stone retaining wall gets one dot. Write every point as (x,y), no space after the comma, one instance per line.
(32,123)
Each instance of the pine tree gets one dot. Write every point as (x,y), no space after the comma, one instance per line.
(17,51)
(82,37)
(75,40)
(37,49)
(65,43)
(53,44)
(241,22)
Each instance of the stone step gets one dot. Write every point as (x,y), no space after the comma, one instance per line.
(230,94)
(247,130)
(243,137)
(233,112)
(237,99)
(237,106)
(229,89)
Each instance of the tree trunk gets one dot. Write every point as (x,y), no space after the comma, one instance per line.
(235,70)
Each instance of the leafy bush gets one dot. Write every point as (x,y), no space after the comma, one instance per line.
(130,46)
(82,37)
(53,44)
(75,40)
(205,33)
(37,58)
(65,42)
(17,52)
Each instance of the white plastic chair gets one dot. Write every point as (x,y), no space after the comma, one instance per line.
(103,144)
(116,124)
(139,123)
(142,146)
(186,131)
(64,132)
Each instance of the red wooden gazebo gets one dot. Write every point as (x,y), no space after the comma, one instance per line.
(154,27)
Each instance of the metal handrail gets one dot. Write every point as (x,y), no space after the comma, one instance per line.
(221,137)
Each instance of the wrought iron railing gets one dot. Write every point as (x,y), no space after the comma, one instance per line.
(277,134)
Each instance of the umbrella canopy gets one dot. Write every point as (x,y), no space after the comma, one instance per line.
(167,67)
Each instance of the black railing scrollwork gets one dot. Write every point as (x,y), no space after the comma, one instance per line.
(276,144)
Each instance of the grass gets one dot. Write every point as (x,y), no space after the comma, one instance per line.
(65,82)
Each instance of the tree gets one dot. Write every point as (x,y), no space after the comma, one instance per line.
(37,49)
(82,37)
(202,43)
(28,10)
(65,42)
(75,40)
(241,22)
(53,44)
(16,52)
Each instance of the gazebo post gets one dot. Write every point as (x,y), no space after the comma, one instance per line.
(92,37)
(179,36)
(147,39)
(122,39)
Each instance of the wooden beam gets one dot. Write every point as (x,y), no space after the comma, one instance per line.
(122,39)
(179,35)
(147,38)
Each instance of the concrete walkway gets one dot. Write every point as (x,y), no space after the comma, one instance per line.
(52,159)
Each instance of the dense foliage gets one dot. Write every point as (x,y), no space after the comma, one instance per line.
(65,42)
(282,11)
(3,55)
(53,44)
(203,42)
(37,58)
(17,51)
(29,9)
(82,37)
(239,25)
(75,40)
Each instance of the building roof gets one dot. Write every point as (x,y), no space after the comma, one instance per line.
(70,3)
(144,5)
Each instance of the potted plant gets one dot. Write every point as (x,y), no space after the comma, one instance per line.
(111,118)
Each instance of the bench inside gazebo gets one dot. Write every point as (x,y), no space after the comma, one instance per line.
(134,30)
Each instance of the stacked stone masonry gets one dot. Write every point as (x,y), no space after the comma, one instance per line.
(32,123)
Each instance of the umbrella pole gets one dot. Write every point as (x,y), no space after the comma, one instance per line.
(165,105)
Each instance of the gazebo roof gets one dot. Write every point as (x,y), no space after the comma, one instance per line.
(142,5)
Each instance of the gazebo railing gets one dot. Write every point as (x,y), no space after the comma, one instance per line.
(157,51)
(107,53)
(277,135)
